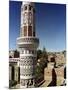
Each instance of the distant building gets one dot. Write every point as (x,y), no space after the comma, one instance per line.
(11,53)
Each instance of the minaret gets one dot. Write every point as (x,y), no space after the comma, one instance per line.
(27,44)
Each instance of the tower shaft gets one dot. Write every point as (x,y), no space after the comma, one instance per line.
(27,44)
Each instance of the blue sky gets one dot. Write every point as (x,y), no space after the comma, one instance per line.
(50,25)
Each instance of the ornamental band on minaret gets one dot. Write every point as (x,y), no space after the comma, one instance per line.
(27,44)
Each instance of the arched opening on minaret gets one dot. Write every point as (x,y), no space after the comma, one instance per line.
(29,30)
(25,7)
(34,33)
(29,7)
(25,30)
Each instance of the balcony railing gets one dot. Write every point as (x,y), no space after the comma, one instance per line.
(27,40)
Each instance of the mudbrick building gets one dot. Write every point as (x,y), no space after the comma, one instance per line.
(55,72)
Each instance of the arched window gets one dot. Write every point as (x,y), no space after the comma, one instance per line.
(52,59)
(34,33)
(25,7)
(29,30)
(10,56)
(25,30)
(29,7)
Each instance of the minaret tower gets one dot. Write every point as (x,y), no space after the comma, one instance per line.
(27,44)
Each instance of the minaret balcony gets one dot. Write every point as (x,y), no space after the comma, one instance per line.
(27,41)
